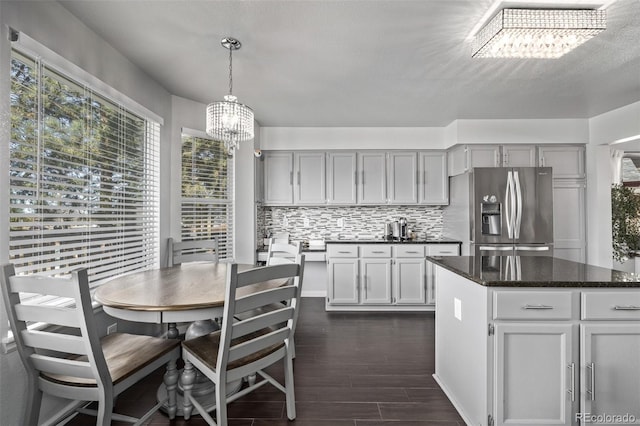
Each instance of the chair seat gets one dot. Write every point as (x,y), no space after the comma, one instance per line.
(205,348)
(125,354)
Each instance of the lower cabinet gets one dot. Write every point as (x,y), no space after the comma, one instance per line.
(556,367)
(382,276)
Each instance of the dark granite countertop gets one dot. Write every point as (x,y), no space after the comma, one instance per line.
(389,241)
(534,271)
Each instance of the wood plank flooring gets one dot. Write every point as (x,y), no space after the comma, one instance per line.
(351,369)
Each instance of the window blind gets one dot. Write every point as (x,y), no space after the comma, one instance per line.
(207,191)
(84,173)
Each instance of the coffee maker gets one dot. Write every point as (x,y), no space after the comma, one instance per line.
(397,230)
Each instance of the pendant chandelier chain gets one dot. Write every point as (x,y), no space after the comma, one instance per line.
(230,70)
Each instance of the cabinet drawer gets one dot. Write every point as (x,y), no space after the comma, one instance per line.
(342,250)
(409,250)
(375,250)
(533,305)
(443,250)
(619,305)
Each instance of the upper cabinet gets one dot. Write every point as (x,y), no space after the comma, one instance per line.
(403,178)
(309,173)
(463,158)
(350,178)
(372,178)
(341,177)
(566,161)
(433,184)
(278,177)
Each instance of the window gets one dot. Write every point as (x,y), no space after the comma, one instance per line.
(207,191)
(631,169)
(84,173)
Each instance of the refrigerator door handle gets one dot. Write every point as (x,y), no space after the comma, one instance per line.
(518,199)
(498,248)
(508,204)
(532,248)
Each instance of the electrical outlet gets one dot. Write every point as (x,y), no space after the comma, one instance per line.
(285,221)
(341,222)
(306,222)
(112,328)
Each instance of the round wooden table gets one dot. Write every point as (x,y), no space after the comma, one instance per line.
(190,292)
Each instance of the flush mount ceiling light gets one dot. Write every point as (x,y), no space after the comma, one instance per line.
(537,33)
(230,121)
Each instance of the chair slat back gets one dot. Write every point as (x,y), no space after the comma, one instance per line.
(282,253)
(247,337)
(193,251)
(75,334)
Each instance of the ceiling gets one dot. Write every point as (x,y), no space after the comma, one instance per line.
(392,63)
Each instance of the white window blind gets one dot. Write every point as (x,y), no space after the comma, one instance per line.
(84,173)
(207,191)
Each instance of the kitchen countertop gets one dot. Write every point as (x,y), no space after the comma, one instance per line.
(390,241)
(534,271)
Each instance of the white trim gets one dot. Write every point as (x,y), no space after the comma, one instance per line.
(53,60)
(196,133)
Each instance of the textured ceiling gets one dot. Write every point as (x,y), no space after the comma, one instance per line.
(364,63)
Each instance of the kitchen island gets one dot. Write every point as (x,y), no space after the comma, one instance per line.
(537,340)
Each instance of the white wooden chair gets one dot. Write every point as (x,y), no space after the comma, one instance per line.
(280,252)
(71,361)
(245,347)
(192,251)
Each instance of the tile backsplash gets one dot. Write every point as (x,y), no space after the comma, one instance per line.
(426,221)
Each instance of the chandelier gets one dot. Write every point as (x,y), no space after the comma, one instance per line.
(537,33)
(230,121)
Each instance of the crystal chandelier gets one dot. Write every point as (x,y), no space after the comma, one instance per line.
(230,121)
(537,33)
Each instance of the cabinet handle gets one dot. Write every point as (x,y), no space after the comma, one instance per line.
(343,252)
(291,178)
(412,251)
(363,177)
(445,252)
(356,177)
(592,391)
(537,307)
(298,178)
(378,252)
(626,308)
(572,390)
(542,161)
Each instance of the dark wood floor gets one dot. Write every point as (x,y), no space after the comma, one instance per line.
(351,369)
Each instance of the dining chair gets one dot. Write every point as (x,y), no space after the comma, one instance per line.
(193,251)
(68,359)
(282,252)
(245,347)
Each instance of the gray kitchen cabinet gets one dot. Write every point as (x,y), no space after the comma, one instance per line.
(518,156)
(409,281)
(569,219)
(402,178)
(341,178)
(433,184)
(534,367)
(278,177)
(610,379)
(372,178)
(567,162)
(342,274)
(309,172)
(437,250)
(375,281)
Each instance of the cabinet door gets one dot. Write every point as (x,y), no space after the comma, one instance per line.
(569,221)
(309,172)
(342,281)
(483,156)
(372,178)
(409,281)
(278,177)
(403,178)
(533,376)
(341,186)
(566,161)
(610,373)
(519,156)
(375,281)
(433,184)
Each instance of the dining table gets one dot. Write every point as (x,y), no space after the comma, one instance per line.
(191,292)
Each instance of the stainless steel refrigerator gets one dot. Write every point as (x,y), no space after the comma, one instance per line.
(502,211)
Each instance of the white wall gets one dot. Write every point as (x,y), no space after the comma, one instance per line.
(53,26)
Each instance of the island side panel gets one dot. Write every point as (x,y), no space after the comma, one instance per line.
(462,348)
